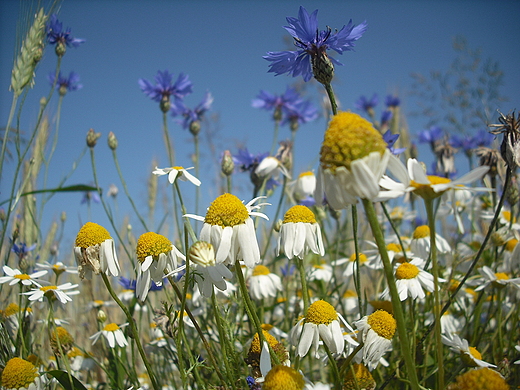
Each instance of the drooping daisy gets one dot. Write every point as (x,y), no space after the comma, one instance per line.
(498,280)
(59,292)
(420,243)
(229,228)
(20,374)
(113,333)
(411,280)
(470,355)
(177,173)
(320,321)
(479,379)
(375,332)
(157,257)
(15,276)
(300,233)
(270,167)
(263,283)
(353,158)
(303,187)
(95,251)
(319,271)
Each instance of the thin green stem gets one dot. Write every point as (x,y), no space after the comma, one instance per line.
(197,172)
(6,133)
(332,98)
(303,281)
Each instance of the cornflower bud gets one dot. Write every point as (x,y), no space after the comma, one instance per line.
(227,164)
(92,138)
(112,141)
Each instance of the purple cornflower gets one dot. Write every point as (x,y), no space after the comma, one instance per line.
(432,136)
(65,84)
(59,37)
(191,118)
(129,284)
(277,103)
(246,161)
(89,196)
(312,45)
(483,138)
(386,116)
(392,101)
(299,114)
(164,89)
(367,105)
(22,249)
(390,140)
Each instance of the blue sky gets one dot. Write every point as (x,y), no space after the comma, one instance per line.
(220,45)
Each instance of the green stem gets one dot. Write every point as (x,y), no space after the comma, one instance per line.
(303,281)
(396,302)
(197,172)
(275,137)
(6,133)
(332,98)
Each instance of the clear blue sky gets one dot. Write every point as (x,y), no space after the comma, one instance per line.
(220,45)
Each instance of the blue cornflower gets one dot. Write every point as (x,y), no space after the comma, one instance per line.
(89,196)
(483,138)
(129,284)
(367,105)
(386,116)
(465,143)
(277,103)
(59,37)
(288,269)
(299,113)
(65,84)
(431,136)
(390,140)
(313,45)
(191,118)
(164,89)
(392,101)
(246,161)
(22,249)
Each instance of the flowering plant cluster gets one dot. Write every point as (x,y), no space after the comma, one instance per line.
(367,272)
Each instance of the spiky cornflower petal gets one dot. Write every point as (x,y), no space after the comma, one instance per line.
(65,84)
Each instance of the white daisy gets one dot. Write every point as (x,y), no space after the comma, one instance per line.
(263,283)
(113,333)
(300,233)
(15,276)
(353,159)
(58,268)
(469,355)
(303,187)
(320,271)
(374,262)
(498,279)
(95,251)
(411,280)
(156,257)
(50,292)
(420,243)
(517,347)
(229,228)
(270,167)
(177,173)
(375,332)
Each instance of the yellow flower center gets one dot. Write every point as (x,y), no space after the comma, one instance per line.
(511,244)
(422,231)
(453,285)
(255,344)
(475,245)
(321,312)
(111,327)
(502,276)
(261,270)
(74,352)
(480,379)
(406,271)
(425,190)
(91,234)
(364,379)
(476,354)
(299,213)
(283,378)
(11,309)
(178,168)
(226,210)
(362,258)
(22,276)
(349,294)
(383,323)
(506,214)
(18,373)
(303,174)
(349,137)
(152,244)
(63,336)
(394,247)
(48,288)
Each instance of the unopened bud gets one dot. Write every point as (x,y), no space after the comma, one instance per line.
(62,90)
(92,138)
(202,253)
(195,127)
(60,49)
(512,194)
(112,141)
(63,216)
(43,101)
(2,214)
(227,165)
(278,225)
(165,104)
(101,316)
(322,67)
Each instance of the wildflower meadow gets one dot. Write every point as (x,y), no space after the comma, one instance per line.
(373,269)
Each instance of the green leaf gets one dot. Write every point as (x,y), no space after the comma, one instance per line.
(74,188)
(63,378)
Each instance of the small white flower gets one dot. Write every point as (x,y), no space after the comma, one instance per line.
(320,272)
(270,167)
(300,233)
(263,283)
(420,244)
(177,173)
(56,291)
(15,276)
(499,279)
(303,187)
(470,355)
(113,333)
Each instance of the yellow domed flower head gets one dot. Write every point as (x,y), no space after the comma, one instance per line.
(229,228)
(283,378)
(320,321)
(376,332)
(353,158)
(263,283)
(61,340)
(411,280)
(94,250)
(254,356)
(20,374)
(156,257)
(300,233)
(363,378)
(480,379)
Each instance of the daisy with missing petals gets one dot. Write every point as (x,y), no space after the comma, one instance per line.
(353,158)
(375,332)
(95,251)
(52,292)
(498,279)
(15,276)
(156,257)
(113,333)
(300,233)
(411,280)
(470,356)
(177,173)
(420,244)
(20,374)
(264,284)
(229,228)
(320,321)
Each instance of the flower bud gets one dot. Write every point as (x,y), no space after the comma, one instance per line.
(92,138)
(60,49)
(63,216)
(195,127)
(278,225)
(322,67)
(101,316)
(512,195)
(227,164)
(112,141)
(165,104)
(202,253)
(43,101)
